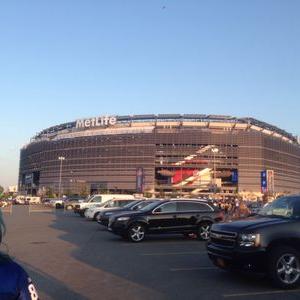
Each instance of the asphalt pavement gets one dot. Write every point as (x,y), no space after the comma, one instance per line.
(69,257)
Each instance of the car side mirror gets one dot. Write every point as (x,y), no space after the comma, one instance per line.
(158,210)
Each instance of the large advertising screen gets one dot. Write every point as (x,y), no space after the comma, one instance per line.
(195,179)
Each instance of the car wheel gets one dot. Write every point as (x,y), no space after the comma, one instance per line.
(284,267)
(96,216)
(69,207)
(203,231)
(57,205)
(136,233)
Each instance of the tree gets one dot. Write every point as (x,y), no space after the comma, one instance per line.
(49,192)
(84,191)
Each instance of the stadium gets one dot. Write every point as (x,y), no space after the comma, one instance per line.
(166,154)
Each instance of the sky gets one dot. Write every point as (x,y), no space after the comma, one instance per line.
(61,60)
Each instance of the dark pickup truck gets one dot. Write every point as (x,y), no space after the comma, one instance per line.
(267,243)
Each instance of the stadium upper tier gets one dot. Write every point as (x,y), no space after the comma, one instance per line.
(167,120)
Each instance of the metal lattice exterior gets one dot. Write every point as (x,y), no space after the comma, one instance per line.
(175,153)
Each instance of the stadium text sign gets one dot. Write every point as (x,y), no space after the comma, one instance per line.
(96,122)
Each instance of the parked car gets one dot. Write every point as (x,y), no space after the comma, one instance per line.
(254,207)
(57,202)
(103,217)
(71,201)
(20,200)
(93,212)
(97,199)
(268,242)
(33,200)
(3,203)
(167,216)
(27,199)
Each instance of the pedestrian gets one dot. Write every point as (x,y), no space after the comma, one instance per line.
(15,283)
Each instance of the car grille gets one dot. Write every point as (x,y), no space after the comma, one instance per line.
(223,238)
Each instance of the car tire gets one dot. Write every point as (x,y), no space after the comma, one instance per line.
(203,231)
(95,216)
(284,267)
(136,233)
(57,206)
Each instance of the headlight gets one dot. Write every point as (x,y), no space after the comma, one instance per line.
(249,240)
(123,219)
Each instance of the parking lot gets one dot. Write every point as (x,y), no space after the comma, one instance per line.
(69,257)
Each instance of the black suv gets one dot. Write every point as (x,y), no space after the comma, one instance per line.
(103,217)
(268,242)
(166,216)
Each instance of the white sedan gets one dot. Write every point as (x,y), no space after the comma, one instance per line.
(92,212)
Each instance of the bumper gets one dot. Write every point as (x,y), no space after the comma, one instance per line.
(119,228)
(88,214)
(80,211)
(103,222)
(77,210)
(245,260)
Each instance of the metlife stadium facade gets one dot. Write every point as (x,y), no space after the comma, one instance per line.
(162,154)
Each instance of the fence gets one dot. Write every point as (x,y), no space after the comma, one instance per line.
(38,208)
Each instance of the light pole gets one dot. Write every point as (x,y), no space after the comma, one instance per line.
(181,182)
(61,158)
(214,151)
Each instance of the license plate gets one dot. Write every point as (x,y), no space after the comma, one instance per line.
(221,262)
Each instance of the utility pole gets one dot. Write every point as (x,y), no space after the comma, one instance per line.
(61,159)
(215,150)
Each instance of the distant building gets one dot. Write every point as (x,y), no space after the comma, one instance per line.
(162,154)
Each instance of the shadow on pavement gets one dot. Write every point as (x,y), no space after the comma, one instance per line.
(49,287)
(133,262)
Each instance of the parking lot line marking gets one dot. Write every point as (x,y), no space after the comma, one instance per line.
(261,293)
(166,243)
(41,210)
(192,269)
(173,253)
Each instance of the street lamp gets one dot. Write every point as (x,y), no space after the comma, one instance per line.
(61,158)
(214,151)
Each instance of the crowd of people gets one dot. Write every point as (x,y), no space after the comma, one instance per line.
(235,208)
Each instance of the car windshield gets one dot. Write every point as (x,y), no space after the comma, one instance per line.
(131,204)
(286,207)
(106,203)
(110,203)
(144,204)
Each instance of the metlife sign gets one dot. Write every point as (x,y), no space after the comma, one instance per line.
(102,121)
